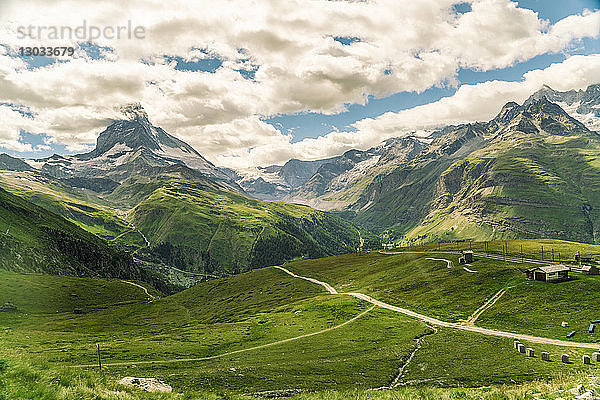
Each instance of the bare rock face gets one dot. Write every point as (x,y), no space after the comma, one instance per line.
(146,384)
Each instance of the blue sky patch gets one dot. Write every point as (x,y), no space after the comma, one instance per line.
(346,40)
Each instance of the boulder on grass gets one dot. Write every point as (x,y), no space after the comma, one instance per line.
(146,384)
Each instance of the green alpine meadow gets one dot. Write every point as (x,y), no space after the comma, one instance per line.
(300,199)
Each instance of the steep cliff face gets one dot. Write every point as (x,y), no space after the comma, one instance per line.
(340,182)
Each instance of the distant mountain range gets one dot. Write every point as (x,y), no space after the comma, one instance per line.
(153,195)
(584,105)
(532,171)
(332,183)
(401,187)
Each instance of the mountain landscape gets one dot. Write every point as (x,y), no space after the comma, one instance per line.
(495,180)
(146,192)
(144,257)
(312,200)
(487,180)
(181,217)
(143,240)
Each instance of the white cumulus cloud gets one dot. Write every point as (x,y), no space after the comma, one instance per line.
(400,45)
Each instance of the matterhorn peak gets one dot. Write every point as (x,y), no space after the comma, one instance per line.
(133,111)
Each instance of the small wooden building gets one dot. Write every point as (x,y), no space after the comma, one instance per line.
(549,273)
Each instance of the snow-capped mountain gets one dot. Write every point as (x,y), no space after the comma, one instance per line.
(275,182)
(129,146)
(584,105)
(332,182)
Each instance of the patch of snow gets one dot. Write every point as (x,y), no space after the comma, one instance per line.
(191,160)
(589,120)
(354,174)
(37,164)
(252,174)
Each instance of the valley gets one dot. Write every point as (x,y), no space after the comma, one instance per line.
(303,200)
(145,254)
(181,218)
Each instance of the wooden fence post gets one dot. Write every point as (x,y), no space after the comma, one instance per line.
(99,360)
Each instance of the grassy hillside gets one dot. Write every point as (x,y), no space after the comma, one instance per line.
(42,294)
(35,240)
(535,249)
(84,208)
(218,317)
(178,218)
(542,186)
(400,200)
(413,281)
(203,228)
(23,380)
(238,322)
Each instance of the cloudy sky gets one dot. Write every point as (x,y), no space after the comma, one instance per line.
(258,82)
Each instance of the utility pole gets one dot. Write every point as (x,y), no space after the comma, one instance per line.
(542,253)
(521,253)
(553,254)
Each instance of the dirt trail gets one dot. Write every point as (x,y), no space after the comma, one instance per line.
(262,346)
(327,286)
(471,320)
(151,297)
(452,325)
(133,228)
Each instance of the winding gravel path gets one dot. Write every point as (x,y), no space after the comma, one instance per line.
(327,286)
(452,325)
(151,297)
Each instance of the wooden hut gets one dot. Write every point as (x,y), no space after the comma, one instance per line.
(549,273)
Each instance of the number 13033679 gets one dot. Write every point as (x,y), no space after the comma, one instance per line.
(47,51)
